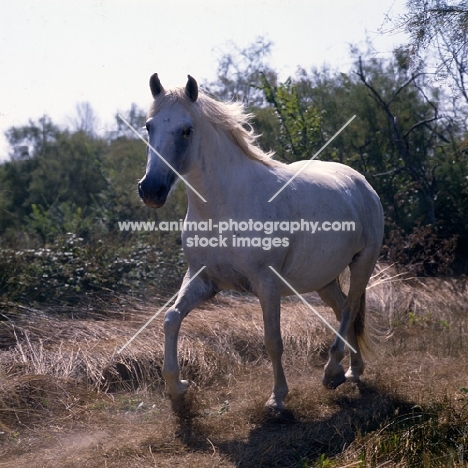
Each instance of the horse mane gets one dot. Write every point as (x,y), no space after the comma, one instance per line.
(229,116)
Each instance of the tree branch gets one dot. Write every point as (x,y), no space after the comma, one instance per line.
(418,124)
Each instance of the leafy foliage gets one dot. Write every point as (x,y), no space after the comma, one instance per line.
(72,270)
(441,27)
(299,122)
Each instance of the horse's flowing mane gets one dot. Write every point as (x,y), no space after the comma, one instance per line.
(230,117)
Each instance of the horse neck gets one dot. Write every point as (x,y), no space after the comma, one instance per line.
(221,172)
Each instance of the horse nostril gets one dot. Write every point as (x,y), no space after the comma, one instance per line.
(140,190)
(161,192)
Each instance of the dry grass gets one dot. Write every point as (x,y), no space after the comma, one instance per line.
(68,399)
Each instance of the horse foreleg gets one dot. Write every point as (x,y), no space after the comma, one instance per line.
(171,371)
(191,294)
(271,307)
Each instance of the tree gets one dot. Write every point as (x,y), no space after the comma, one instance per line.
(59,182)
(440,26)
(240,71)
(413,150)
(28,143)
(31,140)
(410,152)
(85,119)
(135,116)
(299,121)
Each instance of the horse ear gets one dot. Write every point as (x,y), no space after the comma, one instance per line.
(155,85)
(191,89)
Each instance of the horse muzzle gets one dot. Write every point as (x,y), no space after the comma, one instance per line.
(153,195)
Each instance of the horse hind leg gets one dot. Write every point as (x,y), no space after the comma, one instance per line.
(350,311)
(361,269)
(334,297)
(356,338)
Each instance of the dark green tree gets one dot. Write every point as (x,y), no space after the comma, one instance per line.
(55,183)
(299,121)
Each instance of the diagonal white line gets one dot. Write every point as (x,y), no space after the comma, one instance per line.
(312,158)
(311,308)
(147,143)
(158,312)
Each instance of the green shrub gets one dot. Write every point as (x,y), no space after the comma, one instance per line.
(70,270)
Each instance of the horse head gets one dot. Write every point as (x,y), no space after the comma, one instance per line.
(170,128)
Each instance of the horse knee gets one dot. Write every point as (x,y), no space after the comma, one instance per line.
(172,321)
(274,346)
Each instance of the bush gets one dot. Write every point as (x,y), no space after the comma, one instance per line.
(423,251)
(70,270)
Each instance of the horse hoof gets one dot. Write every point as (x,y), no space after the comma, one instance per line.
(333,381)
(353,375)
(277,415)
(179,391)
(274,404)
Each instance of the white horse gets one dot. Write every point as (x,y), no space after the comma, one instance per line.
(229,183)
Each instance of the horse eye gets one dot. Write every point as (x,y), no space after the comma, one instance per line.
(186,132)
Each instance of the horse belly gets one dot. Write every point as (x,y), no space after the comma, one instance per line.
(311,269)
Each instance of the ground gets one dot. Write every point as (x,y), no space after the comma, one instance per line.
(67,399)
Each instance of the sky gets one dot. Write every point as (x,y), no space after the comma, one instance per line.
(55,54)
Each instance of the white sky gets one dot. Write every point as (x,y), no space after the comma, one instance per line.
(54,54)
